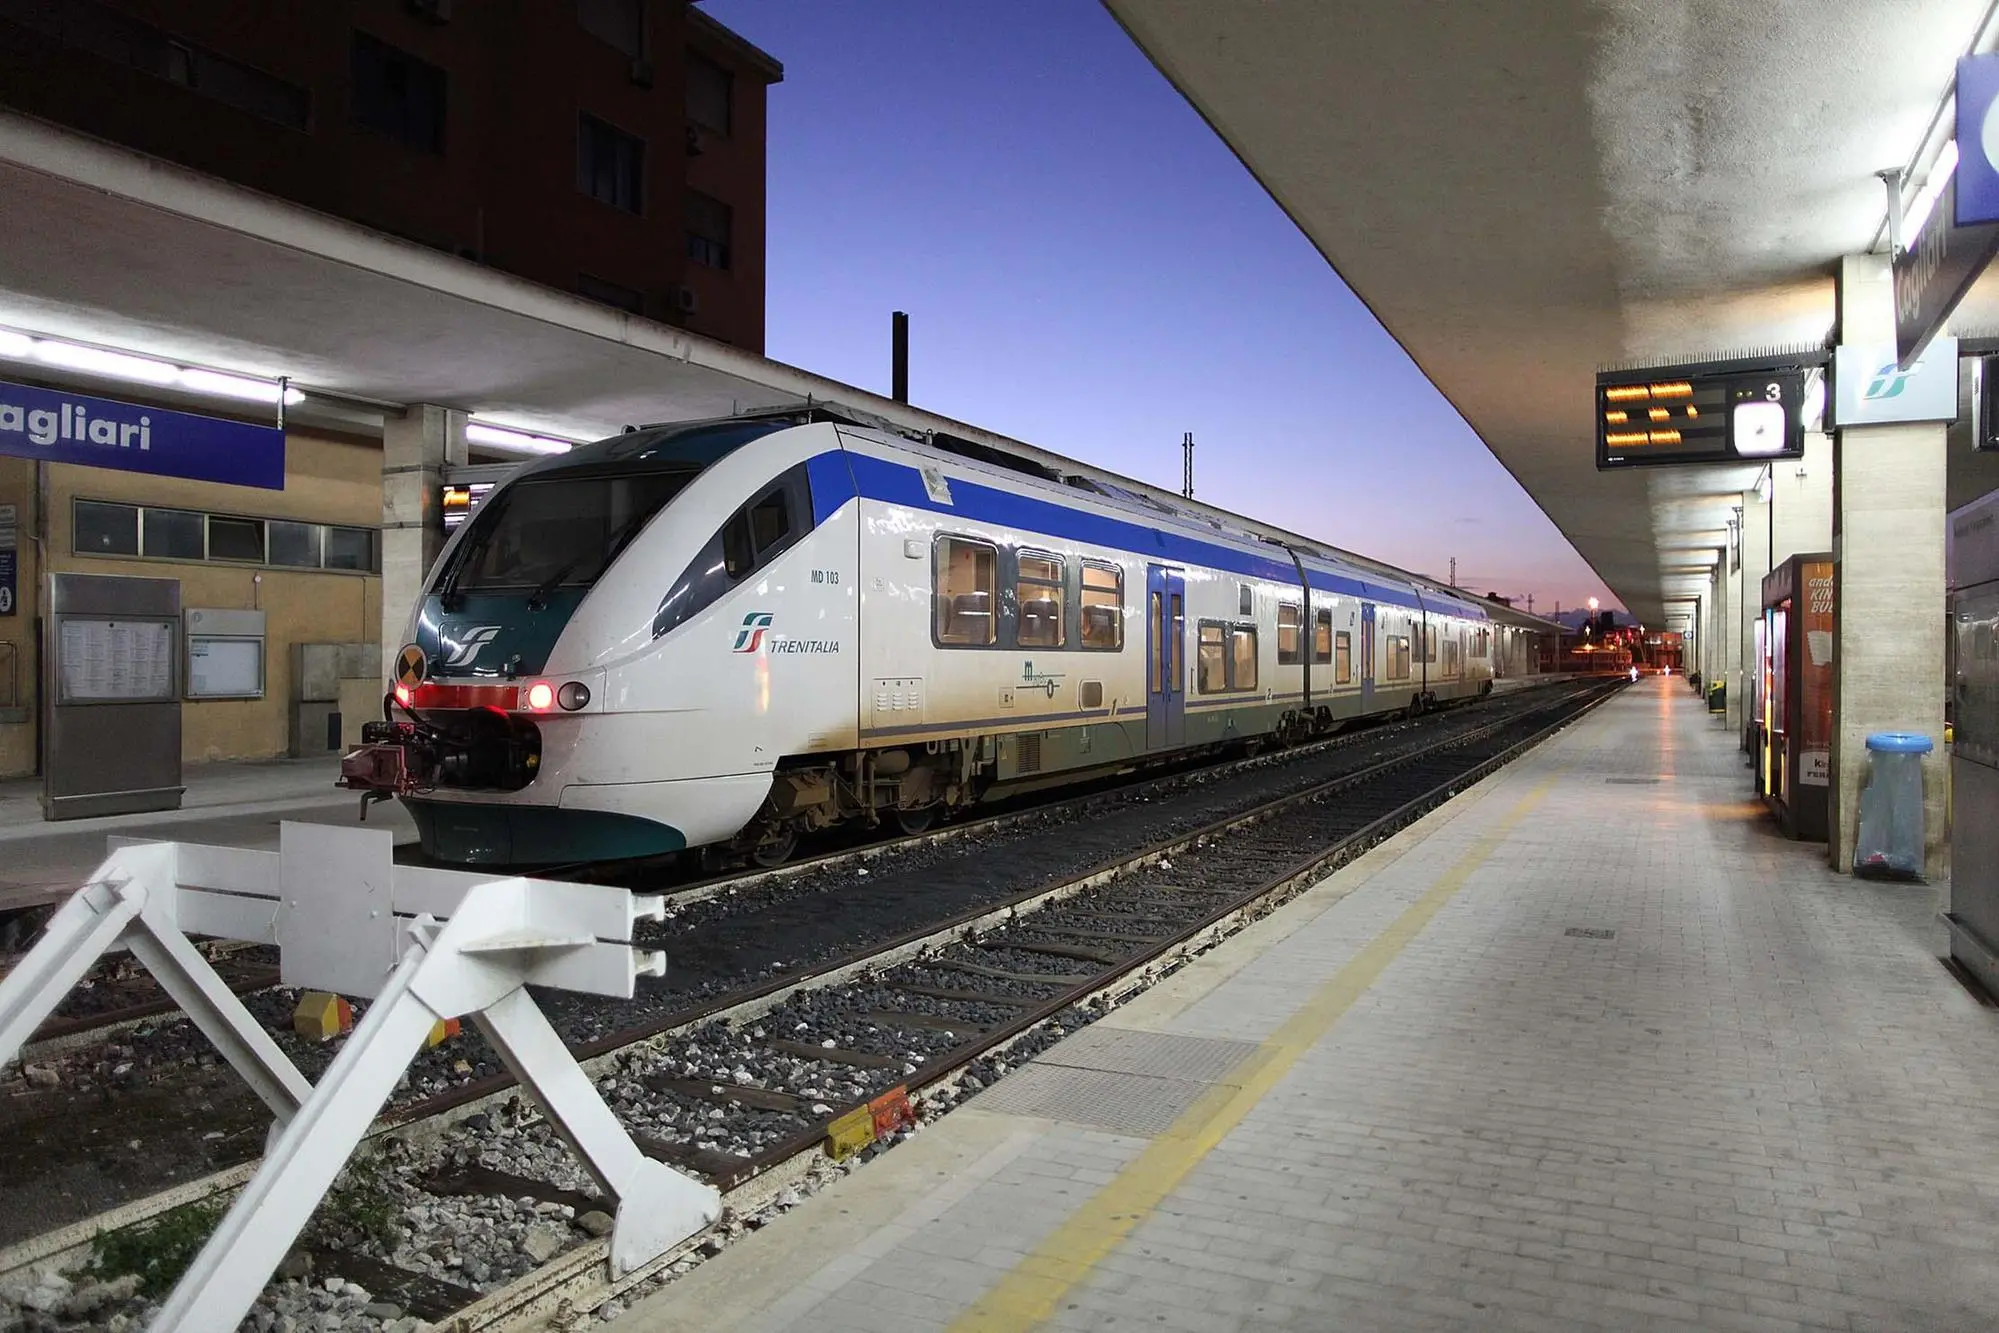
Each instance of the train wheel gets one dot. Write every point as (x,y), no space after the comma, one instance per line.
(775,849)
(916,821)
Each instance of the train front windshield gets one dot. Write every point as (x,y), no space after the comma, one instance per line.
(559,531)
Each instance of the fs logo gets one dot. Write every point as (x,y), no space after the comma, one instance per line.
(468,647)
(1888,382)
(751,636)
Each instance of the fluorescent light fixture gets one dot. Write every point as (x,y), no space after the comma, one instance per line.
(96,361)
(236,386)
(478,432)
(1926,198)
(16,345)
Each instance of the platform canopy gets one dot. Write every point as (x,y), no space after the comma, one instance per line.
(1525,192)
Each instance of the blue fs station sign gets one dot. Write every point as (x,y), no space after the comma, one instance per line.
(1961,234)
(58,427)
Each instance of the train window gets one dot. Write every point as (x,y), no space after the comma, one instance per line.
(1176,641)
(1242,657)
(1343,659)
(1322,637)
(1160,650)
(1212,662)
(1398,656)
(967,583)
(1038,583)
(1103,606)
(1245,600)
(1290,635)
(1450,657)
(739,552)
(770,521)
(1429,643)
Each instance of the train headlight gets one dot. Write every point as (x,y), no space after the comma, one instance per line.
(573,695)
(540,696)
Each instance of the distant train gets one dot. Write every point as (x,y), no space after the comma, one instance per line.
(736,632)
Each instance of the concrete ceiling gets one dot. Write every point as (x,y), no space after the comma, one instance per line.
(1527,191)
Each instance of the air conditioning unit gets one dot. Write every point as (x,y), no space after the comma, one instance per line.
(683,300)
(437,11)
(642,73)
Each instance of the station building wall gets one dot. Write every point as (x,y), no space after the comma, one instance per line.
(330,480)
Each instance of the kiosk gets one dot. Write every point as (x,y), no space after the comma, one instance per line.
(1793,695)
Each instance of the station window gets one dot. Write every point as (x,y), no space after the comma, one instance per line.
(175,534)
(189,534)
(1290,635)
(1398,657)
(710,94)
(1038,586)
(1226,658)
(610,164)
(1343,658)
(710,223)
(1103,606)
(103,529)
(966,575)
(396,94)
(1322,637)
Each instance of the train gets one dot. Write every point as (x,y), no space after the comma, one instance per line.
(729,634)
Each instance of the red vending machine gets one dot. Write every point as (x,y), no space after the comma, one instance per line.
(1794,694)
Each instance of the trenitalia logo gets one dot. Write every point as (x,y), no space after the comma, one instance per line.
(751,636)
(1888,382)
(469,646)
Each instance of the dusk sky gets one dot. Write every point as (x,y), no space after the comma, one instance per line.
(1087,268)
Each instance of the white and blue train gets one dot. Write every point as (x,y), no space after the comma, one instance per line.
(736,632)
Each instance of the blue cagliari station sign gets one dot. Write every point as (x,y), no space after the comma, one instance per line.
(59,427)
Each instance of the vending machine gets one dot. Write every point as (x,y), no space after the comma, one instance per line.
(1794,695)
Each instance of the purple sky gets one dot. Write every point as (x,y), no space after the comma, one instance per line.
(1086,267)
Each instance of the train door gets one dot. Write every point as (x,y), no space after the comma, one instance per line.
(1165,652)
(1367,657)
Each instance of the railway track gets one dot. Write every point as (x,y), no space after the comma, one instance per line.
(121,996)
(748,1088)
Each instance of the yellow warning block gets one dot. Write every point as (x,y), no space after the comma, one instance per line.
(322,1017)
(850,1133)
(443,1028)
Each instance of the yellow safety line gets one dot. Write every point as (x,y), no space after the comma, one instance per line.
(1028,1294)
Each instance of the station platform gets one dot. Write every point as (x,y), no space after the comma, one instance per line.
(1592,1047)
(229,804)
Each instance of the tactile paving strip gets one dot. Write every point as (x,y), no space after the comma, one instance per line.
(1116,1079)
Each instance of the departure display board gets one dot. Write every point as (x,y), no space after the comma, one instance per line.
(1672,417)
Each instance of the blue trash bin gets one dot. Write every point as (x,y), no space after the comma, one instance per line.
(1890,840)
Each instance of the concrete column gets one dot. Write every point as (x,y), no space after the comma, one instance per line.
(1888,554)
(1801,500)
(416,448)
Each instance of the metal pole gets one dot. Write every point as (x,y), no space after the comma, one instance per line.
(1187,465)
(900,353)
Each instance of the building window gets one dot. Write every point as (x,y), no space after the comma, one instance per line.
(236,539)
(709,222)
(398,95)
(175,534)
(611,294)
(1039,590)
(622,23)
(610,165)
(103,529)
(710,94)
(1103,607)
(189,534)
(122,40)
(967,580)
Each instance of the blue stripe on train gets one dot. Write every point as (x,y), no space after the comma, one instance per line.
(895,483)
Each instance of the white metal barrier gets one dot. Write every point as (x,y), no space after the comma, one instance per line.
(424,945)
